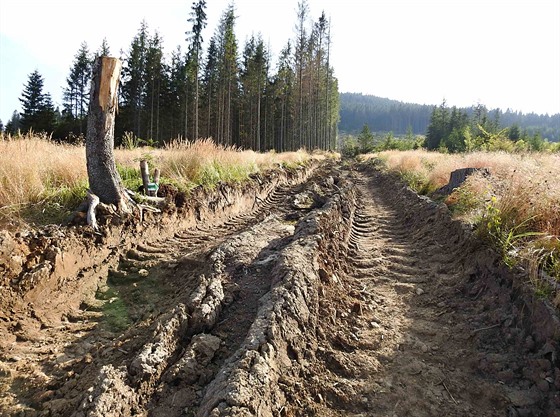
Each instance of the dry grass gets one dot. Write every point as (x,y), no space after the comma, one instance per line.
(517,207)
(39,177)
(32,166)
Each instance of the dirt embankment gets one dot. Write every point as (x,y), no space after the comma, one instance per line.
(339,294)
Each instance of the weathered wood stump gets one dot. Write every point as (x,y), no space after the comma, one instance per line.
(458,177)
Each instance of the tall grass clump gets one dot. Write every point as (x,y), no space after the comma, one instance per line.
(205,163)
(40,176)
(41,181)
(516,208)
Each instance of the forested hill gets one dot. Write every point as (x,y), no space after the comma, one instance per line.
(381,114)
(386,115)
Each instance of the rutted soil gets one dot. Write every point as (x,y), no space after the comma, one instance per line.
(337,292)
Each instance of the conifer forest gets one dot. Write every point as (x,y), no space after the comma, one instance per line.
(216,88)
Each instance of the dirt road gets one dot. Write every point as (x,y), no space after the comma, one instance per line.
(340,294)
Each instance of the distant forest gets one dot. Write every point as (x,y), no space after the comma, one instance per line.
(232,93)
(386,115)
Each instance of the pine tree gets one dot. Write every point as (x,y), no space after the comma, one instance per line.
(38,111)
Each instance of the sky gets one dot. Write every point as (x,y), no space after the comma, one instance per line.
(500,53)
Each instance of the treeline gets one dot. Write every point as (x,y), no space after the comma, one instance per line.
(385,115)
(235,96)
(457,130)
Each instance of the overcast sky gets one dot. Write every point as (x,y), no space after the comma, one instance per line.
(501,53)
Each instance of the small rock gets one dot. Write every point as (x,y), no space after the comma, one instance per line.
(529,343)
(143,272)
(524,398)
(506,376)
(543,386)
(357,308)
(375,325)
(419,291)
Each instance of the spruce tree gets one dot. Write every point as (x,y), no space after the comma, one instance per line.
(104,49)
(76,93)
(210,83)
(254,77)
(133,84)
(155,84)
(365,139)
(228,78)
(38,111)
(198,21)
(14,124)
(437,128)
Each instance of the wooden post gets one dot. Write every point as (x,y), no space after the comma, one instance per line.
(156,182)
(144,171)
(156,176)
(104,180)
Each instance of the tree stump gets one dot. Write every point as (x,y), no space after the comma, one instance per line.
(458,177)
(104,180)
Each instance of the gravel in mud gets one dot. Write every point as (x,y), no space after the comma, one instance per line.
(341,293)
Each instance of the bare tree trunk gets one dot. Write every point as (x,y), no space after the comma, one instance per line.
(196,96)
(104,180)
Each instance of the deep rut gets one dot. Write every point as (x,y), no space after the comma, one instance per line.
(167,307)
(346,295)
(426,362)
(418,328)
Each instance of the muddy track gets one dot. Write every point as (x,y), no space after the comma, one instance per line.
(344,295)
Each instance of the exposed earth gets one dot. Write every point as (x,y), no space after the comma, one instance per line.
(326,291)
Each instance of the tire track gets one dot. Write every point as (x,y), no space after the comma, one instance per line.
(168,328)
(421,370)
(346,295)
(401,338)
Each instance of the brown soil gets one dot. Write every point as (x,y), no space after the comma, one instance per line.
(327,292)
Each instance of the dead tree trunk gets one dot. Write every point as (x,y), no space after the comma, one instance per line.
(104,180)
(458,177)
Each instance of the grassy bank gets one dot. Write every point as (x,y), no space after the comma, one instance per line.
(516,208)
(41,181)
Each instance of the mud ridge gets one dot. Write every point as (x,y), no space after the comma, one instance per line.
(35,265)
(339,293)
(52,278)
